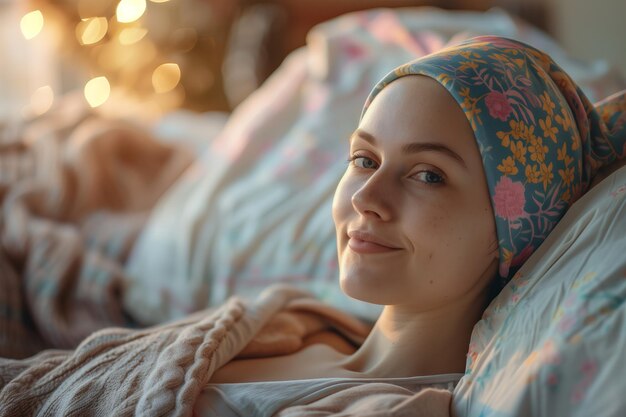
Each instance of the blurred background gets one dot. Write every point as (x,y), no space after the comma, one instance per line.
(208,55)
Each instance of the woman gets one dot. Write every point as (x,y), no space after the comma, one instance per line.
(456,175)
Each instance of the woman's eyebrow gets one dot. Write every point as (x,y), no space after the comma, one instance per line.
(414,147)
(363,135)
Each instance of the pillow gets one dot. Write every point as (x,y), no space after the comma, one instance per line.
(553,342)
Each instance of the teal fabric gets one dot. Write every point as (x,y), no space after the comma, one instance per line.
(540,138)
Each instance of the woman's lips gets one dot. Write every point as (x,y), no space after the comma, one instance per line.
(362,242)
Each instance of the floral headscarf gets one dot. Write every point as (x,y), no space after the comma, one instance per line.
(540,138)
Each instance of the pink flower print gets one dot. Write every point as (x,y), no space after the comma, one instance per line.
(589,369)
(353,50)
(498,105)
(509,199)
(620,190)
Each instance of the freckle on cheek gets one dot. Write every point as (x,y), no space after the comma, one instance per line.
(431,282)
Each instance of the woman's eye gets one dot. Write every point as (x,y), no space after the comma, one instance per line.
(429,177)
(364,162)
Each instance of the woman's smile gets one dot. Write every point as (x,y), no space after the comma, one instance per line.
(368,243)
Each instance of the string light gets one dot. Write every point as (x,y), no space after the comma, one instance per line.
(91,30)
(130,10)
(41,100)
(128,36)
(160,52)
(165,77)
(97,91)
(31,24)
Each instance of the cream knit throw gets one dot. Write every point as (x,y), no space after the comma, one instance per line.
(158,371)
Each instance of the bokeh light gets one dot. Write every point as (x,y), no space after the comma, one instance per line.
(31,24)
(165,77)
(97,91)
(128,36)
(130,10)
(91,30)
(41,100)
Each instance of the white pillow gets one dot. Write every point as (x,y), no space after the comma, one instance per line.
(553,343)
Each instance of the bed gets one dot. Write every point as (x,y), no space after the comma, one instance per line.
(108,223)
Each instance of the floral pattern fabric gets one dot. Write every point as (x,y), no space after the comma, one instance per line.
(552,342)
(540,137)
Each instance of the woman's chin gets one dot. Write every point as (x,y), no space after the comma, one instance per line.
(359,290)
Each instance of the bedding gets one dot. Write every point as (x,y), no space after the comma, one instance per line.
(552,343)
(565,366)
(105,223)
(255,208)
(75,189)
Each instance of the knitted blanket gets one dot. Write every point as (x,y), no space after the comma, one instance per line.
(161,371)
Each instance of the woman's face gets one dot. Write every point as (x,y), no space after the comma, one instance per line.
(412,212)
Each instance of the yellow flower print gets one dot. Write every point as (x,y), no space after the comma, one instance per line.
(444,79)
(467,104)
(516,128)
(506,254)
(564,119)
(504,137)
(566,196)
(500,57)
(472,115)
(546,175)
(575,142)
(537,150)
(567,175)
(465,65)
(546,103)
(549,131)
(563,156)
(519,152)
(508,166)
(527,132)
(561,152)
(532,174)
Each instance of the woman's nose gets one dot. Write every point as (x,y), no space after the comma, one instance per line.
(373,198)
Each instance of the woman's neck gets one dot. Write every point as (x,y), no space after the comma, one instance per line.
(406,343)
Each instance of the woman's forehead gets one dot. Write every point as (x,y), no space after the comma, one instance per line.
(418,108)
